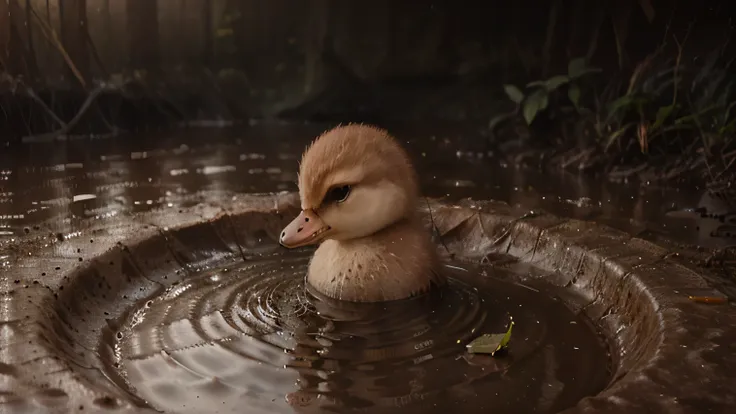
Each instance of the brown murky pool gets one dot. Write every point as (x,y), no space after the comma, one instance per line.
(255,336)
(101,178)
(252,338)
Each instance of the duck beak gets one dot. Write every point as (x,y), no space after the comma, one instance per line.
(307,228)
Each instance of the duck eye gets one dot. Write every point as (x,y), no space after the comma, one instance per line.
(339,194)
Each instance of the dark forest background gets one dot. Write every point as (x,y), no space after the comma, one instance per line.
(631,81)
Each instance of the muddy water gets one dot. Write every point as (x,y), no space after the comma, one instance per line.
(81,178)
(177,352)
(254,336)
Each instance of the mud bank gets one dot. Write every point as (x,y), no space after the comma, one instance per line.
(64,290)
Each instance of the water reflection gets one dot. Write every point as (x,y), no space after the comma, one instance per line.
(256,336)
(78,179)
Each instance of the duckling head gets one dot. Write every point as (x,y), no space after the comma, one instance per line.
(354,181)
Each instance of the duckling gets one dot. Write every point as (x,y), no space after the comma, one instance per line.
(359,196)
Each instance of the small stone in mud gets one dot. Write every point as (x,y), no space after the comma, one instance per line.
(323,341)
(299,399)
(106,402)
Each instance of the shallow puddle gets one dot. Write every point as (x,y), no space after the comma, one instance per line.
(101,178)
(253,339)
(255,336)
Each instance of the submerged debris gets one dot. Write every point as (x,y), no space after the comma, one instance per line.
(708,299)
(490,343)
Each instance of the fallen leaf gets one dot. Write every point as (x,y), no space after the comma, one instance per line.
(490,343)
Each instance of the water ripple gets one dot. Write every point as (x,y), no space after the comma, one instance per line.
(256,336)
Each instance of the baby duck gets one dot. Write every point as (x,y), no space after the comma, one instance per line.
(359,193)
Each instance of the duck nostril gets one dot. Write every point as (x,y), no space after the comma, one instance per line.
(299,230)
(283,233)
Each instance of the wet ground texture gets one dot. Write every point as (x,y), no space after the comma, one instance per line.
(139,276)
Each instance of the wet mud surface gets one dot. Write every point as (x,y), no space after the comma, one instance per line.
(100,239)
(254,336)
(98,178)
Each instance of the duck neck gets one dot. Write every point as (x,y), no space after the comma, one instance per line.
(397,230)
(394,263)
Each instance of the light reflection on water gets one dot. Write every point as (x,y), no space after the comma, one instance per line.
(72,180)
(256,336)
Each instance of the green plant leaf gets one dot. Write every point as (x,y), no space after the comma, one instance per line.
(490,343)
(662,114)
(620,104)
(543,101)
(626,102)
(550,84)
(670,128)
(727,114)
(587,71)
(530,111)
(555,82)
(729,128)
(575,67)
(694,117)
(536,102)
(616,135)
(573,93)
(514,93)
(496,120)
(579,67)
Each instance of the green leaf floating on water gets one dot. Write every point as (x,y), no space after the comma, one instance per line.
(490,343)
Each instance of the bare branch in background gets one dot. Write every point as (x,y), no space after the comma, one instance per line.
(50,34)
(67,127)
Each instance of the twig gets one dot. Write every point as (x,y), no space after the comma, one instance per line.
(31,48)
(69,126)
(728,166)
(434,226)
(638,70)
(577,157)
(4,65)
(113,129)
(507,232)
(593,43)
(729,155)
(707,166)
(677,62)
(551,25)
(645,63)
(50,35)
(619,21)
(48,110)
(96,55)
